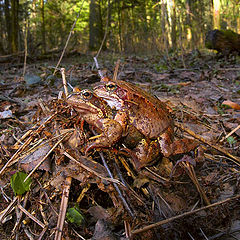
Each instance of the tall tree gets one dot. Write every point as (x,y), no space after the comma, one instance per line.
(14,25)
(172,20)
(216,14)
(43,27)
(8,24)
(95,26)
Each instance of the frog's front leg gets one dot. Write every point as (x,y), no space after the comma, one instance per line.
(122,118)
(111,132)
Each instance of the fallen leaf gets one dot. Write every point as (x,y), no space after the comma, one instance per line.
(30,161)
(6,114)
(231,104)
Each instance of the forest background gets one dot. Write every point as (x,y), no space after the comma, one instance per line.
(133,26)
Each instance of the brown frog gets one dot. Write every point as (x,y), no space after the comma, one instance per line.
(98,114)
(139,110)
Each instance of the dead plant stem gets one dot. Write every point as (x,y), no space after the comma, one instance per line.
(144,229)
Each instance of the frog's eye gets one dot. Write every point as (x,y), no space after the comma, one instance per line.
(86,94)
(111,86)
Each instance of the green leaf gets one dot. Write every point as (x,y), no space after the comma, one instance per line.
(75,216)
(231,140)
(18,185)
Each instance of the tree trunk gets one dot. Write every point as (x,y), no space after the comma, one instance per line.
(164,24)
(15,27)
(95,26)
(43,28)
(173,25)
(188,22)
(216,14)
(120,25)
(8,24)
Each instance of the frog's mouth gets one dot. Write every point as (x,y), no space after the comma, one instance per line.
(112,100)
(83,107)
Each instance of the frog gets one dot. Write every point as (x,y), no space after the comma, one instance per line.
(137,109)
(96,112)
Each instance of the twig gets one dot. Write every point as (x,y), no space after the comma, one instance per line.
(144,229)
(42,233)
(116,70)
(36,167)
(64,81)
(31,216)
(228,69)
(98,68)
(204,234)
(17,224)
(22,147)
(8,209)
(81,237)
(106,31)
(220,149)
(69,35)
(116,186)
(25,48)
(100,49)
(229,134)
(191,173)
(63,208)
(91,170)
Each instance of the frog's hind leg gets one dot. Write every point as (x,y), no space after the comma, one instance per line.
(144,153)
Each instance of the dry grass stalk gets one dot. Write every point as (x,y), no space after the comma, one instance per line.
(63,208)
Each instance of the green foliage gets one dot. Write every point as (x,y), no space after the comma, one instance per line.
(168,88)
(18,184)
(75,216)
(82,23)
(231,140)
(134,26)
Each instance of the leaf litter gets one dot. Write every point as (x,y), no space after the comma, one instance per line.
(172,199)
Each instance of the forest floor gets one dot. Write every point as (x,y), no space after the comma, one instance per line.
(202,93)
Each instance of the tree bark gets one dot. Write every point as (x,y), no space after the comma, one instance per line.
(14,25)
(216,14)
(8,24)
(173,25)
(95,26)
(43,28)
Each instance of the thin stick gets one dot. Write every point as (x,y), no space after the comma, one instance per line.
(116,70)
(232,132)
(144,229)
(22,147)
(98,68)
(220,149)
(191,173)
(116,186)
(63,208)
(15,155)
(8,209)
(106,31)
(69,35)
(36,167)
(25,48)
(64,81)
(31,216)
(91,170)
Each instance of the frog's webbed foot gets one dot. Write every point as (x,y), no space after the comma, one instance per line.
(111,133)
(184,145)
(180,146)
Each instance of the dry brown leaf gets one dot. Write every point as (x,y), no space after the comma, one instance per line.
(231,104)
